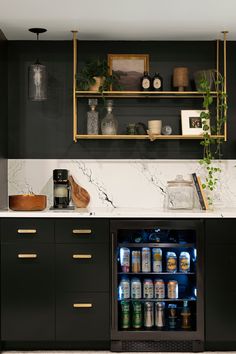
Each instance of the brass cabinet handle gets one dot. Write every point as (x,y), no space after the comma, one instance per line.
(82,306)
(26,231)
(82,256)
(27,255)
(81,231)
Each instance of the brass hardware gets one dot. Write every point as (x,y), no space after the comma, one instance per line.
(26,231)
(82,256)
(82,305)
(146,137)
(225,80)
(27,255)
(74,85)
(81,231)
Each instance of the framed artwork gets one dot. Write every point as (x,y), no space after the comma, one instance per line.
(191,122)
(130,68)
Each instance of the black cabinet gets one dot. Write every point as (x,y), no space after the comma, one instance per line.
(220,284)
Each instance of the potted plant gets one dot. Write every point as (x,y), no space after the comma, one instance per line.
(210,153)
(94,76)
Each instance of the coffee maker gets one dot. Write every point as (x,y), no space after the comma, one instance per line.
(61,190)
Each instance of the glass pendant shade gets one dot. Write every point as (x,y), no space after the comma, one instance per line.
(37,81)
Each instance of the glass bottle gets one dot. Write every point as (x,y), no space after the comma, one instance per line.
(145,82)
(186,316)
(157,82)
(92,118)
(109,124)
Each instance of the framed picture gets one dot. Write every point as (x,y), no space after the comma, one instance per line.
(130,68)
(191,122)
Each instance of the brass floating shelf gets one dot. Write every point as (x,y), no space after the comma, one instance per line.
(143,94)
(144,137)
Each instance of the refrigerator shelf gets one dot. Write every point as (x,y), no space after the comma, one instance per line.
(155,300)
(155,273)
(157,244)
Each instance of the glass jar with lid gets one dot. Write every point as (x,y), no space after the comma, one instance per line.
(180,193)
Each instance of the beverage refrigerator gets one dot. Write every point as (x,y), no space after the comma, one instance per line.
(157,285)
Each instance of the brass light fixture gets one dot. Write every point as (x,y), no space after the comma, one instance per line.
(37,75)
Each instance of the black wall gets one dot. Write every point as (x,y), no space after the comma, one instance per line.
(3,120)
(44,129)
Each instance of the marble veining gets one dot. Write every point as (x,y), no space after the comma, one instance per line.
(119,183)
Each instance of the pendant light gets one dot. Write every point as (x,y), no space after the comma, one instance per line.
(37,75)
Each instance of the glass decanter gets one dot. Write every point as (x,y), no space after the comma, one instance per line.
(92,118)
(109,124)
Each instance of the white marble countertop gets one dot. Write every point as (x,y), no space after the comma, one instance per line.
(121,213)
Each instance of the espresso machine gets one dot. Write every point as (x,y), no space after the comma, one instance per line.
(61,190)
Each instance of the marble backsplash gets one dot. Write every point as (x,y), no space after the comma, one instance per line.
(119,183)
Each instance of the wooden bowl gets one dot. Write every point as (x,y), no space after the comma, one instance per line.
(27,202)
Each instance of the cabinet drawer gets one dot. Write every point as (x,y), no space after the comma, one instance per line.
(82,316)
(82,267)
(30,230)
(82,230)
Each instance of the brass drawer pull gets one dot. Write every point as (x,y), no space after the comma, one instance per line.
(82,256)
(82,306)
(27,255)
(26,231)
(81,231)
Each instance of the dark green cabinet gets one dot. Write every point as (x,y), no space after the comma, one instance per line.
(220,284)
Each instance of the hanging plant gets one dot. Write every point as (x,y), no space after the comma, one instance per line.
(212,147)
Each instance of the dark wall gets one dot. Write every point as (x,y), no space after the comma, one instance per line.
(44,129)
(3,120)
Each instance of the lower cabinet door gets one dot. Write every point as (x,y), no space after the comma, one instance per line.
(27,292)
(83,317)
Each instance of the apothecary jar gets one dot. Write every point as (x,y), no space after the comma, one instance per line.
(180,193)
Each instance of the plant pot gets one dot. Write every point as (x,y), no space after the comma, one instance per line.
(208,75)
(99,81)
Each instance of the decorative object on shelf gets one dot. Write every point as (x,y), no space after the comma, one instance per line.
(180,193)
(180,78)
(166,130)
(146,82)
(191,122)
(92,118)
(79,195)
(208,76)
(37,75)
(157,82)
(154,127)
(132,129)
(94,76)
(27,202)
(109,124)
(129,68)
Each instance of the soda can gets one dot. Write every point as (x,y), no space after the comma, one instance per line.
(172,289)
(160,314)
(135,261)
(136,314)
(147,289)
(172,315)
(146,259)
(157,260)
(124,289)
(159,289)
(171,262)
(125,314)
(125,259)
(148,314)
(184,262)
(136,288)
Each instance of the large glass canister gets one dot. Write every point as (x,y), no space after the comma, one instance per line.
(180,194)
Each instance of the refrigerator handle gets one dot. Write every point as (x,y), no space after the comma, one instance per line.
(113,279)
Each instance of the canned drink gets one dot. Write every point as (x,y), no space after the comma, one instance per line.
(157,260)
(172,315)
(146,259)
(125,314)
(147,289)
(125,259)
(159,289)
(171,262)
(136,288)
(184,262)
(137,314)
(160,314)
(148,314)
(124,289)
(135,261)
(172,289)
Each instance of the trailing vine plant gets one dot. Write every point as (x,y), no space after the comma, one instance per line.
(212,147)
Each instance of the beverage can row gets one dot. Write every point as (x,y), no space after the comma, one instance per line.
(134,289)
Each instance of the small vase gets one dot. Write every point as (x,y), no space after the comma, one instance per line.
(109,124)
(92,118)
